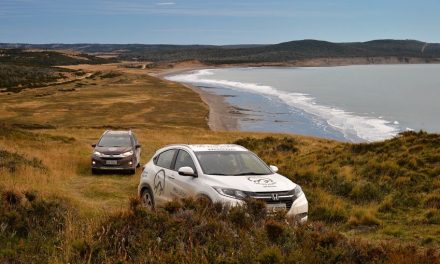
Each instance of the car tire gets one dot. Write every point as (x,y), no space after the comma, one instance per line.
(132,171)
(95,171)
(204,200)
(147,198)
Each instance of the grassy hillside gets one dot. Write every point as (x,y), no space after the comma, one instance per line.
(47,58)
(184,232)
(368,202)
(21,69)
(385,190)
(15,78)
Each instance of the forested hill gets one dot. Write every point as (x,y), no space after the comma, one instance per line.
(21,68)
(294,50)
(282,52)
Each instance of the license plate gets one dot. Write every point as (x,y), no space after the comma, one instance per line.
(111,162)
(276,207)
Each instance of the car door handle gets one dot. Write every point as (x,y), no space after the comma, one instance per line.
(171,177)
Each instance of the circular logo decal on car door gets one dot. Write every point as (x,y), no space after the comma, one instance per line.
(159,182)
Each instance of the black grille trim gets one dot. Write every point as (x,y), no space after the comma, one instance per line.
(284,197)
(111,158)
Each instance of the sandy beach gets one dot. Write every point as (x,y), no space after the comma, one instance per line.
(222,116)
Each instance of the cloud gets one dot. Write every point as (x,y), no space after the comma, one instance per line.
(165,3)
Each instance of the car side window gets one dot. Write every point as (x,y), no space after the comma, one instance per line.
(184,160)
(165,159)
(136,141)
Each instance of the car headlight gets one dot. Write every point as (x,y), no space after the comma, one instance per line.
(297,191)
(127,154)
(97,153)
(233,193)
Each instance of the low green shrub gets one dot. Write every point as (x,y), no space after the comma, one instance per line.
(432,216)
(270,255)
(387,206)
(274,230)
(31,228)
(239,217)
(364,192)
(363,218)
(432,201)
(328,214)
(256,209)
(207,235)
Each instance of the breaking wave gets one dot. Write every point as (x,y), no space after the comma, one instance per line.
(354,127)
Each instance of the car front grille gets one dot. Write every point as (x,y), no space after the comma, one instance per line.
(110,157)
(285,197)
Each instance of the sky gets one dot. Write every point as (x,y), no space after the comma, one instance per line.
(216,22)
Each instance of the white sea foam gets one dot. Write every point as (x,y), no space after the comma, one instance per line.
(351,125)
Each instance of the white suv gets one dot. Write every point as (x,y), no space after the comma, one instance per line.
(221,173)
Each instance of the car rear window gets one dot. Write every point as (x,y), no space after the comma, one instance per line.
(165,159)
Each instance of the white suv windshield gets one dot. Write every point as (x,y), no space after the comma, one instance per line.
(231,163)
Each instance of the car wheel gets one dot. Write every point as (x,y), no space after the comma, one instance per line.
(132,171)
(95,171)
(147,199)
(204,200)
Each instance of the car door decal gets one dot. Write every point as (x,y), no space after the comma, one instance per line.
(159,182)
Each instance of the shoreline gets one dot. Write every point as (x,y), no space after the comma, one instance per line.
(222,115)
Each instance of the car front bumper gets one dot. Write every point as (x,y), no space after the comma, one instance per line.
(126,163)
(297,212)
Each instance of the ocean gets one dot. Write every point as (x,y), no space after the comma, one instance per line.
(356,103)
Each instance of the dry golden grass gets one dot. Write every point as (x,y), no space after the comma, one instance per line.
(69,173)
(128,100)
(158,111)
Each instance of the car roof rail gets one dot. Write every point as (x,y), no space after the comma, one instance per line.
(171,145)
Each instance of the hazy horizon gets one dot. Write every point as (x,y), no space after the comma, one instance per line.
(200,44)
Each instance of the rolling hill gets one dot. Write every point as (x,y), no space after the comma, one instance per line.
(275,53)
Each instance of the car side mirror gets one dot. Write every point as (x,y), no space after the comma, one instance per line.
(138,146)
(187,171)
(274,168)
(93,145)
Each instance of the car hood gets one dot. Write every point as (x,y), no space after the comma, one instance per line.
(252,183)
(112,150)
